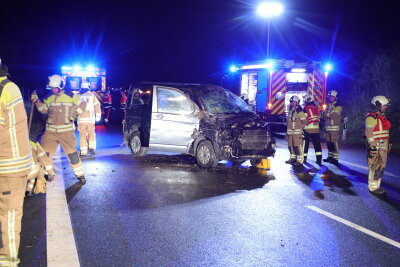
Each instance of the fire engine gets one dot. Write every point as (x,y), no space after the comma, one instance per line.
(269,86)
(74,76)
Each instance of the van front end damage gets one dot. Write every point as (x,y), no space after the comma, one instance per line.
(239,141)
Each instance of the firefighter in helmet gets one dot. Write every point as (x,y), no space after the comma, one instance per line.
(87,120)
(333,117)
(15,164)
(62,110)
(377,127)
(295,122)
(311,130)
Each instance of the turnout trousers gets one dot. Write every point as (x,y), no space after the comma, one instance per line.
(295,143)
(50,141)
(332,141)
(376,169)
(316,140)
(12,193)
(87,138)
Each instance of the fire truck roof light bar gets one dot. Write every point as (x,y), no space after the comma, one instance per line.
(258,66)
(298,70)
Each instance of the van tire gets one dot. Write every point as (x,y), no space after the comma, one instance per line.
(135,144)
(205,155)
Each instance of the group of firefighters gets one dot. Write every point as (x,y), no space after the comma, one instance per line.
(26,165)
(303,125)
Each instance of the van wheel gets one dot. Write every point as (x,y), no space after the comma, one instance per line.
(135,144)
(205,155)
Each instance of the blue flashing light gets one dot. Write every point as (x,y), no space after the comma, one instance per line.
(270,65)
(233,68)
(328,67)
(90,68)
(66,68)
(77,68)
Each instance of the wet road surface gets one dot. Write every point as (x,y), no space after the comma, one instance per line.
(163,210)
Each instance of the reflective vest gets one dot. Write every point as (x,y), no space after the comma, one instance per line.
(313,117)
(382,127)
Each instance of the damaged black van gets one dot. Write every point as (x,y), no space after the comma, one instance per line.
(205,121)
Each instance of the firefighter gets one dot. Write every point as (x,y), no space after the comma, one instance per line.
(311,130)
(333,117)
(295,122)
(15,164)
(106,104)
(87,120)
(123,99)
(41,168)
(62,110)
(377,128)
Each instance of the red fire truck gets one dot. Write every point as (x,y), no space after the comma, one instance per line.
(269,86)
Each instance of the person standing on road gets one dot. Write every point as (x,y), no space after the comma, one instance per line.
(87,120)
(15,164)
(333,118)
(311,130)
(295,122)
(62,110)
(377,128)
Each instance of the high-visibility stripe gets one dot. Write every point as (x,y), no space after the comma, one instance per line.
(279,109)
(318,153)
(56,104)
(21,160)
(11,238)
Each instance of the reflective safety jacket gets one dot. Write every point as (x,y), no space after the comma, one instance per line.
(92,110)
(106,99)
(333,117)
(296,120)
(62,110)
(15,151)
(377,128)
(313,118)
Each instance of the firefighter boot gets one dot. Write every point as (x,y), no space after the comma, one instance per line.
(290,161)
(29,193)
(91,151)
(82,179)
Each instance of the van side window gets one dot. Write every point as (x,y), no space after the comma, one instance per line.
(171,101)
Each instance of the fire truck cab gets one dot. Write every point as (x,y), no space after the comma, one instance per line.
(74,76)
(269,86)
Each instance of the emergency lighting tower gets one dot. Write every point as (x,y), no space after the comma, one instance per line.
(269,10)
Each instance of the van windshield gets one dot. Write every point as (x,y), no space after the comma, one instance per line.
(224,102)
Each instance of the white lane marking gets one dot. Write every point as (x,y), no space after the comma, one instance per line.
(366,168)
(61,247)
(356,226)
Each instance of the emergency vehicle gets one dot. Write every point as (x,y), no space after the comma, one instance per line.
(74,76)
(269,86)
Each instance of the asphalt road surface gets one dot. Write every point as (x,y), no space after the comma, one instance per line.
(163,210)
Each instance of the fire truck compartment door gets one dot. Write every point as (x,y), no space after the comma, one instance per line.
(172,121)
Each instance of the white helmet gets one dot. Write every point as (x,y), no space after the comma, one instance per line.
(295,98)
(56,81)
(380,100)
(85,85)
(308,98)
(333,93)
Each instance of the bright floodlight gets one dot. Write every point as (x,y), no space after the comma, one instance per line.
(270,9)
(233,68)
(328,67)
(77,68)
(90,68)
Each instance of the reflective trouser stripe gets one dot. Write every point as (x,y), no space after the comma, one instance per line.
(13,261)
(30,184)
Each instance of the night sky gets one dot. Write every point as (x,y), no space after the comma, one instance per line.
(187,41)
